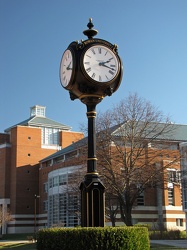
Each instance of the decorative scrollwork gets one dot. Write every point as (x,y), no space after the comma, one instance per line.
(115,48)
(79,45)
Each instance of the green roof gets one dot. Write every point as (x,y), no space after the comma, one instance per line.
(37,121)
(176,132)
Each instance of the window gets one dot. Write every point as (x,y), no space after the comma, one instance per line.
(45,206)
(140,200)
(179,222)
(38,111)
(55,181)
(171,196)
(50,183)
(62,179)
(174,176)
(63,209)
(50,136)
(46,187)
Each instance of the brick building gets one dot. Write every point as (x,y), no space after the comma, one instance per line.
(21,148)
(59,202)
(183,150)
(42,163)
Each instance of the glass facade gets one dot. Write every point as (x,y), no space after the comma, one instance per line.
(63,197)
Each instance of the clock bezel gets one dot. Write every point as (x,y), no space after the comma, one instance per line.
(84,70)
(73,68)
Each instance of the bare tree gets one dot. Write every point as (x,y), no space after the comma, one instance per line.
(5,216)
(130,140)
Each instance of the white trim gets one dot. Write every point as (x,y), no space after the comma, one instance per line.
(145,208)
(4,201)
(56,147)
(174,216)
(175,208)
(145,216)
(5,145)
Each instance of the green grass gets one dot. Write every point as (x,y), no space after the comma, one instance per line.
(16,236)
(18,246)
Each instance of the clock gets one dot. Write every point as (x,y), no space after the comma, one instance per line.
(100,64)
(67,68)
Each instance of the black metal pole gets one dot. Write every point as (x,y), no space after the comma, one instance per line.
(92,189)
(92,160)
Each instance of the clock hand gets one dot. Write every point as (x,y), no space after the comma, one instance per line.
(108,60)
(68,67)
(103,64)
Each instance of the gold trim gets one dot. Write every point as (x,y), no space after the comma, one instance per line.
(90,159)
(91,112)
(92,173)
(91,95)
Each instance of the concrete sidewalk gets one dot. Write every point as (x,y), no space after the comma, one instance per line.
(174,243)
(16,241)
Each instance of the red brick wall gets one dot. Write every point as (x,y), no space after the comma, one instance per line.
(26,153)
(69,137)
(5,172)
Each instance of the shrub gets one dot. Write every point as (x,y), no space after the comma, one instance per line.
(148,226)
(165,235)
(107,238)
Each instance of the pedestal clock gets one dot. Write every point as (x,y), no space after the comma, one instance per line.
(91,70)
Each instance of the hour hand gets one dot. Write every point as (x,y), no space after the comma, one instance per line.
(68,67)
(107,61)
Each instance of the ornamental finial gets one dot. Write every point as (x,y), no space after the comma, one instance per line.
(90,33)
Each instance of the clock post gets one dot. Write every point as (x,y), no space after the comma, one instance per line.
(91,70)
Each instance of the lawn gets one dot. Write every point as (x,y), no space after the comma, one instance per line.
(18,246)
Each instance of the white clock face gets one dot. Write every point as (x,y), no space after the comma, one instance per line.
(100,63)
(66,68)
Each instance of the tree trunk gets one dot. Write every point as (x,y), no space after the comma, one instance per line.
(126,214)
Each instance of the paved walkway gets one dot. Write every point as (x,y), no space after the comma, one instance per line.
(175,243)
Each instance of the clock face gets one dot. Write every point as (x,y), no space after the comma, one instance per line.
(100,63)
(66,68)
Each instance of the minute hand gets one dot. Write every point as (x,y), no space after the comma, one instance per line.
(103,64)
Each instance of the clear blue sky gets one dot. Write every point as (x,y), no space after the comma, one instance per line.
(152,40)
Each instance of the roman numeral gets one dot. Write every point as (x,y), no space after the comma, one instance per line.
(93,75)
(99,50)
(93,51)
(111,72)
(87,63)
(88,70)
(100,79)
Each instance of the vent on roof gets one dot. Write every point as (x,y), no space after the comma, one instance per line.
(37,111)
